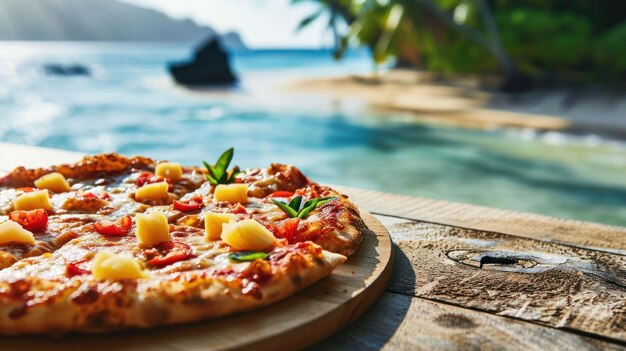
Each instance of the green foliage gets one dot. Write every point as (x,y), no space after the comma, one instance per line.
(542,41)
(610,50)
(574,38)
(456,55)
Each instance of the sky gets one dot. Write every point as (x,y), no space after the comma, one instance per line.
(261,23)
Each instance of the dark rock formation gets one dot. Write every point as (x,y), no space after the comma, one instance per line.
(66,70)
(210,66)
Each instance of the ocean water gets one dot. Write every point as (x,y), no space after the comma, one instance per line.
(130,105)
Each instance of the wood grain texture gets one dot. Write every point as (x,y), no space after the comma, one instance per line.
(570,232)
(400,322)
(547,283)
(299,321)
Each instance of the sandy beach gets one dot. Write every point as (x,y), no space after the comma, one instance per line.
(463,103)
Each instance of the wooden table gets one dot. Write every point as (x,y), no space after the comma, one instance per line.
(470,277)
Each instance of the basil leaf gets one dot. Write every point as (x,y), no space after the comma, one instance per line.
(224,178)
(309,202)
(246,256)
(295,203)
(222,163)
(229,176)
(212,180)
(283,206)
(236,172)
(218,174)
(325,200)
(212,172)
(305,211)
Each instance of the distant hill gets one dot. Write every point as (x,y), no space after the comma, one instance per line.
(96,20)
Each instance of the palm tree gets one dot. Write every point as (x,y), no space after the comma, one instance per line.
(338,10)
(392,28)
(491,42)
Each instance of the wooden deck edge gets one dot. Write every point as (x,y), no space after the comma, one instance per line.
(588,235)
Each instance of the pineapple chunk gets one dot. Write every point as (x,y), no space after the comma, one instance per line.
(107,265)
(154,191)
(12,232)
(213,224)
(247,235)
(54,182)
(152,228)
(171,170)
(33,200)
(232,193)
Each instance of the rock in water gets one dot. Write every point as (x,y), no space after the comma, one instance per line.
(210,66)
(66,70)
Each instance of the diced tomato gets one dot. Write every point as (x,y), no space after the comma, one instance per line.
(285,229)
(33,220)
(237,209)
(101,196)
(170,252)
(119,228)
(149,178)
(73,268)
(191,205)
(281,194)
(143,178)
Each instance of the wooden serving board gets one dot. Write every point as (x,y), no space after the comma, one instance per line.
(300,321)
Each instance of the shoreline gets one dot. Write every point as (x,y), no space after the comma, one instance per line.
(464,104)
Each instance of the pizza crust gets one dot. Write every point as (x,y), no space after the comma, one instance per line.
(92,306)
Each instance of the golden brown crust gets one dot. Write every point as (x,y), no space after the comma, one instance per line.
(88,167)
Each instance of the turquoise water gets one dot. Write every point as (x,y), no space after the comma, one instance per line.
(130,106)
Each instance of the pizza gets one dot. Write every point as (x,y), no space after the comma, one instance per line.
(114,242)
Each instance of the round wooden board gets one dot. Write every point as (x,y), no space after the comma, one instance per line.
(300,321)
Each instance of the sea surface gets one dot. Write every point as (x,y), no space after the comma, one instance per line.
(130,105)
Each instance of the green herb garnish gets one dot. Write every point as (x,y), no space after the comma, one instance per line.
(245,256)
(219,174)
(295,208)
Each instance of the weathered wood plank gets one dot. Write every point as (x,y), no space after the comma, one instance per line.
(547,283)
(577,233)
(400,322)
